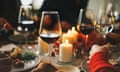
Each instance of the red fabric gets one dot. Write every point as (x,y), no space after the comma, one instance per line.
(99,63)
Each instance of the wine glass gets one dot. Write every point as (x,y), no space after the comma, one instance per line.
(50,28)
(106,20)
(26,24)
(86,24)
(26,27)
(105,24)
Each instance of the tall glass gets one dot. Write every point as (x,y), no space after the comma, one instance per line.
(26,28)
(50,29)
(86,24)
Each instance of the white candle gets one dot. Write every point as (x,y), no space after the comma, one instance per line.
(65,52)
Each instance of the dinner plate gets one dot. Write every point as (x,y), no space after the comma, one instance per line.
(21,39)
(7,47)
(28,65)
(68,68)
(16,38)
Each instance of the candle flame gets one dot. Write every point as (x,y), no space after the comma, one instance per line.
(73,28)
(66,41)
(69,32)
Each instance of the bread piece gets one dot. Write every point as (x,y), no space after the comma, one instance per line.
(45,67)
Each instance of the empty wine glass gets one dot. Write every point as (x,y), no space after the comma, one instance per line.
(50,28)
(86,24)
(105,25)
(106,19)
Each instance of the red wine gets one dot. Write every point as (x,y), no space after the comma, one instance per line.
(86,29)
(49,38)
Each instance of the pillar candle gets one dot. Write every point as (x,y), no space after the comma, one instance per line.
(65,52)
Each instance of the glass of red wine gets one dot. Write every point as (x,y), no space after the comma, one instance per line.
(26,24)
(50,28)
(86,24)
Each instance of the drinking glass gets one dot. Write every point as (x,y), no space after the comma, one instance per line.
(26,24)
(50,29)
(106,19)
(26,27)
(105,25)
(86,24)
(25,18)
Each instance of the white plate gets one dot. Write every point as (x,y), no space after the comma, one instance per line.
(68,68)
(28,65)
(8,47)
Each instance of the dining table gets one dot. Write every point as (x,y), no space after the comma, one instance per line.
(76,63)
(79,63)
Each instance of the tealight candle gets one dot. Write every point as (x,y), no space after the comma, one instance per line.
(66,52)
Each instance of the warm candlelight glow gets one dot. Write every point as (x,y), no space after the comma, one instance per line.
(71,36)
(19,28)
(66,41)
(73,28)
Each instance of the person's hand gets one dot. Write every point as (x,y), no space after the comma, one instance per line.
(97,48)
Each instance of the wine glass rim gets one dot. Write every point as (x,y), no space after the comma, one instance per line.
(51,12)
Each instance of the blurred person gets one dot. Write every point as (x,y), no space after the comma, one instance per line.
(6,29)
(98,60)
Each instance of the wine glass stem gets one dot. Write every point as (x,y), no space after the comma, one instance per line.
(50,52)
(86,40)
(85,47)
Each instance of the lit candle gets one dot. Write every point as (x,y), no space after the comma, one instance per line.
(75,34)
(68,36)
(71,36)
(66,52)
